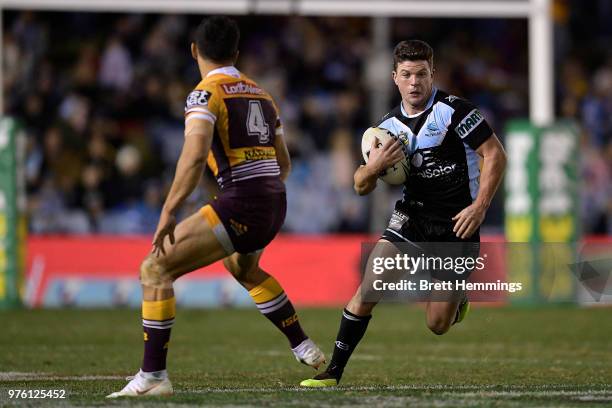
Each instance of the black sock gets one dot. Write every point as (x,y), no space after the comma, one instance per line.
(352,329)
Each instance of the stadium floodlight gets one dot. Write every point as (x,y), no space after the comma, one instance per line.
(538,12)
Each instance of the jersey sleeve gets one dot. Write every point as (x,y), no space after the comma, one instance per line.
(469,124)
(202,104)
(278,126)
(278,123)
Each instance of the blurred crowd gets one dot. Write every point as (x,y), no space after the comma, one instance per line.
(583,57)
(101,97)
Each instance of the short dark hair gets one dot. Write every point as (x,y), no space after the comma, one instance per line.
(412,50)
(217,39)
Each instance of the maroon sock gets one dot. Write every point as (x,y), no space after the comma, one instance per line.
(280,311)
(156,339)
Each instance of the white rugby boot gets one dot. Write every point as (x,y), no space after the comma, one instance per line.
(307,352)
(145,384)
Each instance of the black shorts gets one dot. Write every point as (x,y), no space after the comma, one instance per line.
(246,224)
(435,237)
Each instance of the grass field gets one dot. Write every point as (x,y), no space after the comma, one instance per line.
(497,357)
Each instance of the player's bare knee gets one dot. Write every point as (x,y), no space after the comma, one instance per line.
(232,266)
(154,275)
(241,272)
(437,325)
(360,308)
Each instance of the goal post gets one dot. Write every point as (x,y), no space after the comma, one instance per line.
(12,213)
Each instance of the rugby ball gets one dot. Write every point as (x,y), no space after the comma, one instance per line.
(396,174)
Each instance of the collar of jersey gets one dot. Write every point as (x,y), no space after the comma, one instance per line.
(429,103)
(227,70)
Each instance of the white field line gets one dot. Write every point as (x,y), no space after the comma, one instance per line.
(278,353)
(475,391)
(38,376)
(462,391)
(464,360)
(602,395)
(511,360)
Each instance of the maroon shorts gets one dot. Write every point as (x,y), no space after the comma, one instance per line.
(246,224)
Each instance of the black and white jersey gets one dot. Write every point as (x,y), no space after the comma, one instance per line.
(444,166)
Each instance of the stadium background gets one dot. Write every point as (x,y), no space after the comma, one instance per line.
(93,116)
(98,106)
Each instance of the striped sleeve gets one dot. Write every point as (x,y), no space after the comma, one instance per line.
(279,127)
(200,105)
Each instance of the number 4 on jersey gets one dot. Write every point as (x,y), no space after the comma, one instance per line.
(256,123)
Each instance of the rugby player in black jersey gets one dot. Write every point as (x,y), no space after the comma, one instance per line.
(446,195)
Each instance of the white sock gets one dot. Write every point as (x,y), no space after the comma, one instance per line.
(154,375)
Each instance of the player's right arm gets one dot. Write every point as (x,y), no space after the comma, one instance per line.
(201,112)
(190,165)
(189,168)
(380,158)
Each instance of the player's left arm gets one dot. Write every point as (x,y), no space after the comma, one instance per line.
(282,155)
(280,146)
(494,163)
(189,168)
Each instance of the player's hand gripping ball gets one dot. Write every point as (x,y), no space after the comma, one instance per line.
(397,173)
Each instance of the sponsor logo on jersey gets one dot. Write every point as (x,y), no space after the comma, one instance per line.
(241,88)
(197,98)
(451,98)
(436,172)
(469,123)
(432,126)
(432,129)
(259,154)
(385,116)
(237,227)
(417,160)
(398,219)
(403,137)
